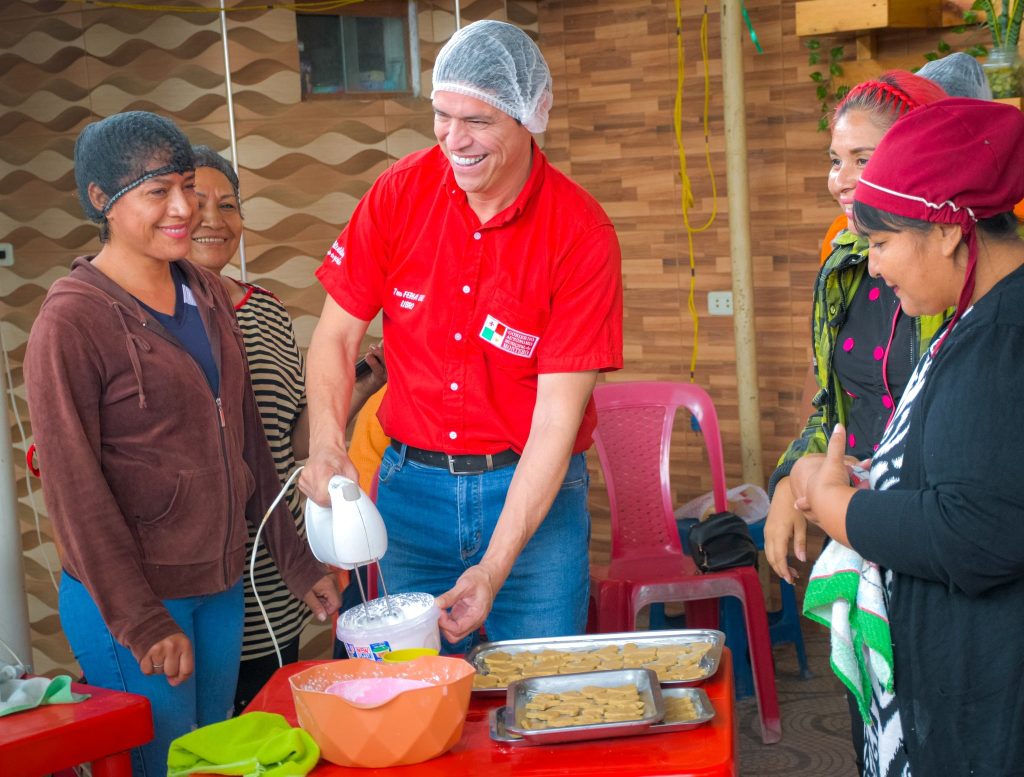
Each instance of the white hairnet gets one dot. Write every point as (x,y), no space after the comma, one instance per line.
(960,75)
(497,63)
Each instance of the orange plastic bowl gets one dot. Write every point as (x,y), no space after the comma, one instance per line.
(414,726)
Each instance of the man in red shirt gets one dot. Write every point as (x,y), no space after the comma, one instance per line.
(500,284)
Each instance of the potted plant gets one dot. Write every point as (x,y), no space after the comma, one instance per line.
(1003,66)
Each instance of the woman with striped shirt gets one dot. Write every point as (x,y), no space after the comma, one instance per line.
(278,381)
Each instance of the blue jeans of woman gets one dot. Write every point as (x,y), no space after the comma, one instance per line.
(213,625)
(440,524)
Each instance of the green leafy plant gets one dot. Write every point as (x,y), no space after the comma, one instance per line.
(942,48)
(1004,24)
(826,71)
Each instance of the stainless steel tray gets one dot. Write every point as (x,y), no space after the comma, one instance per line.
(592,642)
(501,734)
(521,692)
(699,697)
(496,717)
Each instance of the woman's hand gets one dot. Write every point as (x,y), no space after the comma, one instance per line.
(805,468)
(826,490)
(171,657)
(370,383)
(323,598)
(378,375)
(785,524)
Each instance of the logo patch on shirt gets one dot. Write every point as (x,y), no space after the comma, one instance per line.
(336,252)
(507,339)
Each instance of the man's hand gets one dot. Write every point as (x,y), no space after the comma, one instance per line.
(785,524)
(324,464)
(469,602)
(329,382)
(172,657)
(323,598)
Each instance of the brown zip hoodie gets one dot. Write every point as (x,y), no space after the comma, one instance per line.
(148,478)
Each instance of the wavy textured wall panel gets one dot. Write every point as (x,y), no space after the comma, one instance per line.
(303,166)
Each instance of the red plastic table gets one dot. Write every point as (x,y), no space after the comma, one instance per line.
(100,730)
(706,751)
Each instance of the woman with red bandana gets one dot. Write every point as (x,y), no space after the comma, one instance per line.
(942,523)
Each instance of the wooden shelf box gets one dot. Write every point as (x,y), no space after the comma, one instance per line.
(823,17)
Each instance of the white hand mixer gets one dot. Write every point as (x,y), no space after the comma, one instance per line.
(350,533)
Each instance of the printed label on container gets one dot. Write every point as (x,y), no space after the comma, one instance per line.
(375,651)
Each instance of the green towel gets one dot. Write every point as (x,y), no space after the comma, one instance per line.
(18,695)
(846,594)
(256,743)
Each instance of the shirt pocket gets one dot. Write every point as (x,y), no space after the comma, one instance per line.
(509,331)
(191,527)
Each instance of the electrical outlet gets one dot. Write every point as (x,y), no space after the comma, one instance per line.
(6,254)
(720,303)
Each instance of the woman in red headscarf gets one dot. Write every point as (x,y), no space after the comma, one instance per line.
(944,520)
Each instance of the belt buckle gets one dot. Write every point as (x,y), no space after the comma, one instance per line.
(488,466)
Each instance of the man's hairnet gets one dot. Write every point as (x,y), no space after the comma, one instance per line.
(960,75)
(497,63)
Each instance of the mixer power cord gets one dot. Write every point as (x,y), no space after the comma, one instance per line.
(252,563)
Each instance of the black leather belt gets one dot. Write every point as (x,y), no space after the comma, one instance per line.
(469,464)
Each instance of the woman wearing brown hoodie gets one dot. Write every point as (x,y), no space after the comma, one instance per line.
(152,449)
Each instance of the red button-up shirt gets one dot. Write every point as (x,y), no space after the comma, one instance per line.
(472,313)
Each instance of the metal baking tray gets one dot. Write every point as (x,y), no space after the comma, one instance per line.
(499,733)
(590,642)
(521,692)
(705,711)
(699,697)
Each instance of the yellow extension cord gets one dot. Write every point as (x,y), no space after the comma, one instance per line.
(687,189)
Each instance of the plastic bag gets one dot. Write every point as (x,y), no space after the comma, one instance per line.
(748,501)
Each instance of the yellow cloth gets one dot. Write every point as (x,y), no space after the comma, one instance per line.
(369,442)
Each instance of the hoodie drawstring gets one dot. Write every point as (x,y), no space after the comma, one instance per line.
(133,343)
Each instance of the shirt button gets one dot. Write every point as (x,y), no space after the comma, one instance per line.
(452,435)
(465,289)
(458,335)
(454,387)
(477,236)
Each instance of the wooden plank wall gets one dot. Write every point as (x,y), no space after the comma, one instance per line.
(304,165)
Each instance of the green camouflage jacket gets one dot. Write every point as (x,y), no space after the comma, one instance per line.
(834,288)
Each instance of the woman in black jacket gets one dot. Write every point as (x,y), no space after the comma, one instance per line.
(945,517)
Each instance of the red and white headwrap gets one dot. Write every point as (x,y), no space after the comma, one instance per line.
(954,161)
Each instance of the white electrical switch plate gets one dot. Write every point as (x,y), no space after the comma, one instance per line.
(720,303)
(6,254)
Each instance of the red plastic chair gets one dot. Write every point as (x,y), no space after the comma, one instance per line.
(633,437)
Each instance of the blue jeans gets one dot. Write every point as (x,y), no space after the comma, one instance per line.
(214,626)
(439,525)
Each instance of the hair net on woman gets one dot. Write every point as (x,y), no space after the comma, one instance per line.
(122,151)
(497,63)
(207,157)
(960,75)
